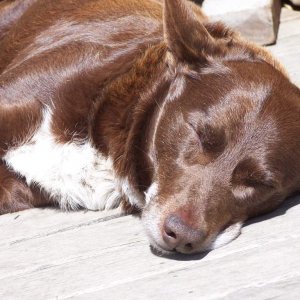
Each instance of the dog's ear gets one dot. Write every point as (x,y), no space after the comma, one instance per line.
(184,33)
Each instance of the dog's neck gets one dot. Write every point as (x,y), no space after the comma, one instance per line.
(126,114)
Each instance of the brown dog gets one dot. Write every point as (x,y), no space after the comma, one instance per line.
(121,101)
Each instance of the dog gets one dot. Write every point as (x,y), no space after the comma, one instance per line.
(147,105)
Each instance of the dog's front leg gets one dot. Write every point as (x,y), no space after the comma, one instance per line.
(15,194)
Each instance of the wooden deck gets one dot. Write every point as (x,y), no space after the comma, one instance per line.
(49,254)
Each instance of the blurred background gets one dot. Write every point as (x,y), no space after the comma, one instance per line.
(257,20)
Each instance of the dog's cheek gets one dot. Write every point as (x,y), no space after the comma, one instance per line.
(151,222)
(226,236)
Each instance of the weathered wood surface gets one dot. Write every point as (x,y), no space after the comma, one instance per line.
(257,20)
(287,50)
(49,254)
(295,2)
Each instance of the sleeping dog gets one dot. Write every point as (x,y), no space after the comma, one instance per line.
(147,105)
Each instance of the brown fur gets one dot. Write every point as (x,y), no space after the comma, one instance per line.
(226,146)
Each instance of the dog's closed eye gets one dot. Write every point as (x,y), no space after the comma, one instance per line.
(248,175)
(211,140)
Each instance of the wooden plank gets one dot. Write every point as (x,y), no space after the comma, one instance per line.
(61,246)
(295,2)
(287,48)
(256,20)
(35,223)
(241,276)
(290,21)
(95,259)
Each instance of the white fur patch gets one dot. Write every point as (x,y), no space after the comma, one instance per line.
(228,235)
(243,192)
(151,193)
(135,197)
(73,175)
(151,219)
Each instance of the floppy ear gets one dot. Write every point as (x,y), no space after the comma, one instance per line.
(186,37)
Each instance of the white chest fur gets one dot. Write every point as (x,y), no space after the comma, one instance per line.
(74,175)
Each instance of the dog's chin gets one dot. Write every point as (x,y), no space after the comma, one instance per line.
(223,238)
(151,221)
(159,248)
(160,251)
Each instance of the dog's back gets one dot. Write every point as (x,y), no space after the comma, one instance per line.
(55,56)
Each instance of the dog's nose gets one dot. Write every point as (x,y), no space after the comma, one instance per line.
(180,236)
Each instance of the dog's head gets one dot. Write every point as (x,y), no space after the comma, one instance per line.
(224,141)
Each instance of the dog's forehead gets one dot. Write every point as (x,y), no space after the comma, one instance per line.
(223,106)
(234,118)
(242,105)
(235,103)
(236,85)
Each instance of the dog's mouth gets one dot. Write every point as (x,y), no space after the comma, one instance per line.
(161,251)
(213,241)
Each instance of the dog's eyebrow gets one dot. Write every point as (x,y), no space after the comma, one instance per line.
(248,99)
(216,68)
(256,92)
